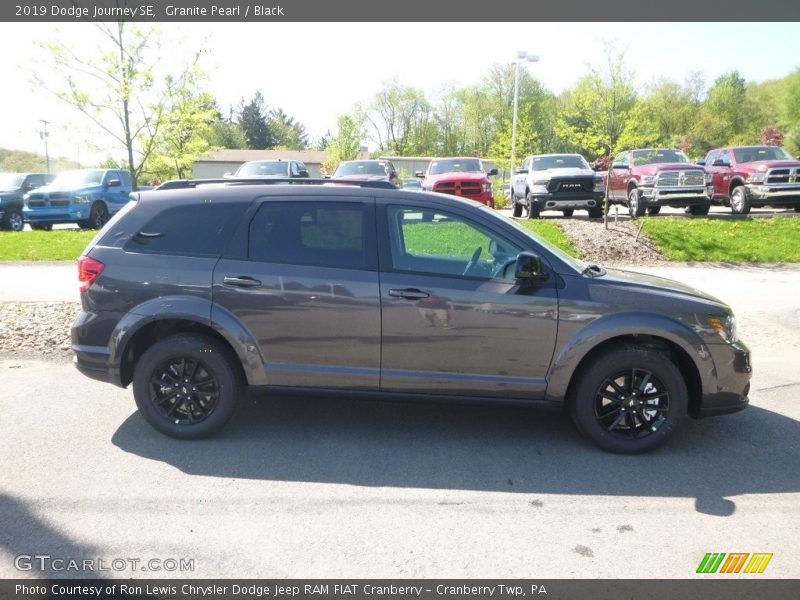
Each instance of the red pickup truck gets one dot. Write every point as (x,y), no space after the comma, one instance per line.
(754,176)
(464,177)
(651,178)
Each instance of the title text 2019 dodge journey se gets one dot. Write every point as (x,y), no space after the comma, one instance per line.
(192,294)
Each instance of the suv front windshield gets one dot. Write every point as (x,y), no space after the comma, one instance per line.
(69,179)
(265,168)
(561,161)
(652,157)
(11,181)
(361,167)
(460,165)
(746,155)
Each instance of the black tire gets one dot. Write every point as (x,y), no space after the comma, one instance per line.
(740,205)
(192,409)
(534,210)
(84,225)
(98,216)
(568,212)
(41,227)
(636,378)
(517,209)
(699,210)
(635,207)
(596,212)
(797,208)
(653,210)
(12,220)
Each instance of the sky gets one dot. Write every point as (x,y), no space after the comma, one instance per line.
(316,71)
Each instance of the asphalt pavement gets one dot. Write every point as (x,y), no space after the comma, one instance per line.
(308,487)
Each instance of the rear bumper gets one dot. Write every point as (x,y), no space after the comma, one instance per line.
(93,362)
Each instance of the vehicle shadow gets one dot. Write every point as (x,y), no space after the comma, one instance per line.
(483,448)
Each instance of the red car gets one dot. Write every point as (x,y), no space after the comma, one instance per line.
(460,176)
(754,176)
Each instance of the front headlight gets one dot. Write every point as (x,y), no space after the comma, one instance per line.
(599,185)
(487,187)
(756,178)
(648,180)
(80,199)
(724,326)
(709,179)
(541,182)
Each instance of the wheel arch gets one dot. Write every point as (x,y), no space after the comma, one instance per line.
(735,182)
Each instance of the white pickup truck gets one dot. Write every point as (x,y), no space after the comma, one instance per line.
(556,182)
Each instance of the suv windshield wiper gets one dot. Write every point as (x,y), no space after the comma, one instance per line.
(593,270)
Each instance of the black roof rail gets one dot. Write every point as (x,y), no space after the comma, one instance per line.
(177,184)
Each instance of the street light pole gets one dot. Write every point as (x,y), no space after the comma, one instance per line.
(44,134)
(521,55)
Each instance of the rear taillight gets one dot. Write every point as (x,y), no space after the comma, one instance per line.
(89,270)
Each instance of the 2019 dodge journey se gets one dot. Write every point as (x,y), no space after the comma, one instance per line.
(194,292)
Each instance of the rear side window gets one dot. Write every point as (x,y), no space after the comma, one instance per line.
(325,234)
(190,229)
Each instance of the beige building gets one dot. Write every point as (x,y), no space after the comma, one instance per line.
(215,164)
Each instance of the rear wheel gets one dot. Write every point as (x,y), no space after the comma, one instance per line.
(40,227)
(635,207)
(628,400)
(13,220)
(653,210)
(797,208)
(568,212)
(740,205)
(98,216)
(699,210)
(517,209)
(187,386)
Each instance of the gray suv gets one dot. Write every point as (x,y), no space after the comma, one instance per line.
(194,295)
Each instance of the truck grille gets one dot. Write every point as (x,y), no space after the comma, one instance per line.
(570,185)
(36,203)
(59,202)
(783,176)
(692,178)
(458,188)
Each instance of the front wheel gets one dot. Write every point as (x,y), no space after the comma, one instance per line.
(98,216)
(596,212)
(699,210)
(41,227)
(628,400)
(797,208)
(534,210)
(13,220)
(517,209)
(653,210)
(635,207)
(740,205)
(568,212)
(187,386)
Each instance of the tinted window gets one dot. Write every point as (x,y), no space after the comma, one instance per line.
(326,234)
(444,244)
(563,161)
(192,229)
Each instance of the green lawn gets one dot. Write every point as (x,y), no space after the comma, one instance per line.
(66,244)
(775,239)
(552,233)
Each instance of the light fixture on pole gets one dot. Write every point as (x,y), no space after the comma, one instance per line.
(43,135)
(522,55)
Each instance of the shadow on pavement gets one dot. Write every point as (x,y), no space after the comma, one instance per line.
(499,449)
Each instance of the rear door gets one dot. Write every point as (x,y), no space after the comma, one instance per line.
(307,291)
(454,321)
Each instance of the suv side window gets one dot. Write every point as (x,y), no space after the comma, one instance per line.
(710,157)
(190,229)
(294,171)
(124,178)
(526,164)
(622,157)
(440,243)
(324,234)
(725,157)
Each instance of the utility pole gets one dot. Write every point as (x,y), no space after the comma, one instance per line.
(43,135)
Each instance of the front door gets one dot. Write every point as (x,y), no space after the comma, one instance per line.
(454,320)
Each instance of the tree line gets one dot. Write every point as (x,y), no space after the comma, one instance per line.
(165,120)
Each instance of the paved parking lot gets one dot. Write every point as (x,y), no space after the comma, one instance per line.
(319,488)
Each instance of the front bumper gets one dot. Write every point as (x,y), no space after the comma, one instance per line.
(55,215)
(784,194)
(581,200)
(675,196)
(733,380)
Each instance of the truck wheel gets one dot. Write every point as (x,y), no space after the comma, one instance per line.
(13,220)
(40,227)
(635,207)
(699,210)
(568,212)
(596,212)
(653,210)
(534,209)
(797,208)
(628,400)
(98,216)
(187,386)
(517,209)
(740,205)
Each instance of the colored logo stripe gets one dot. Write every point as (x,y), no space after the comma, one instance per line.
(734,562)
(711,562)
(758,563)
